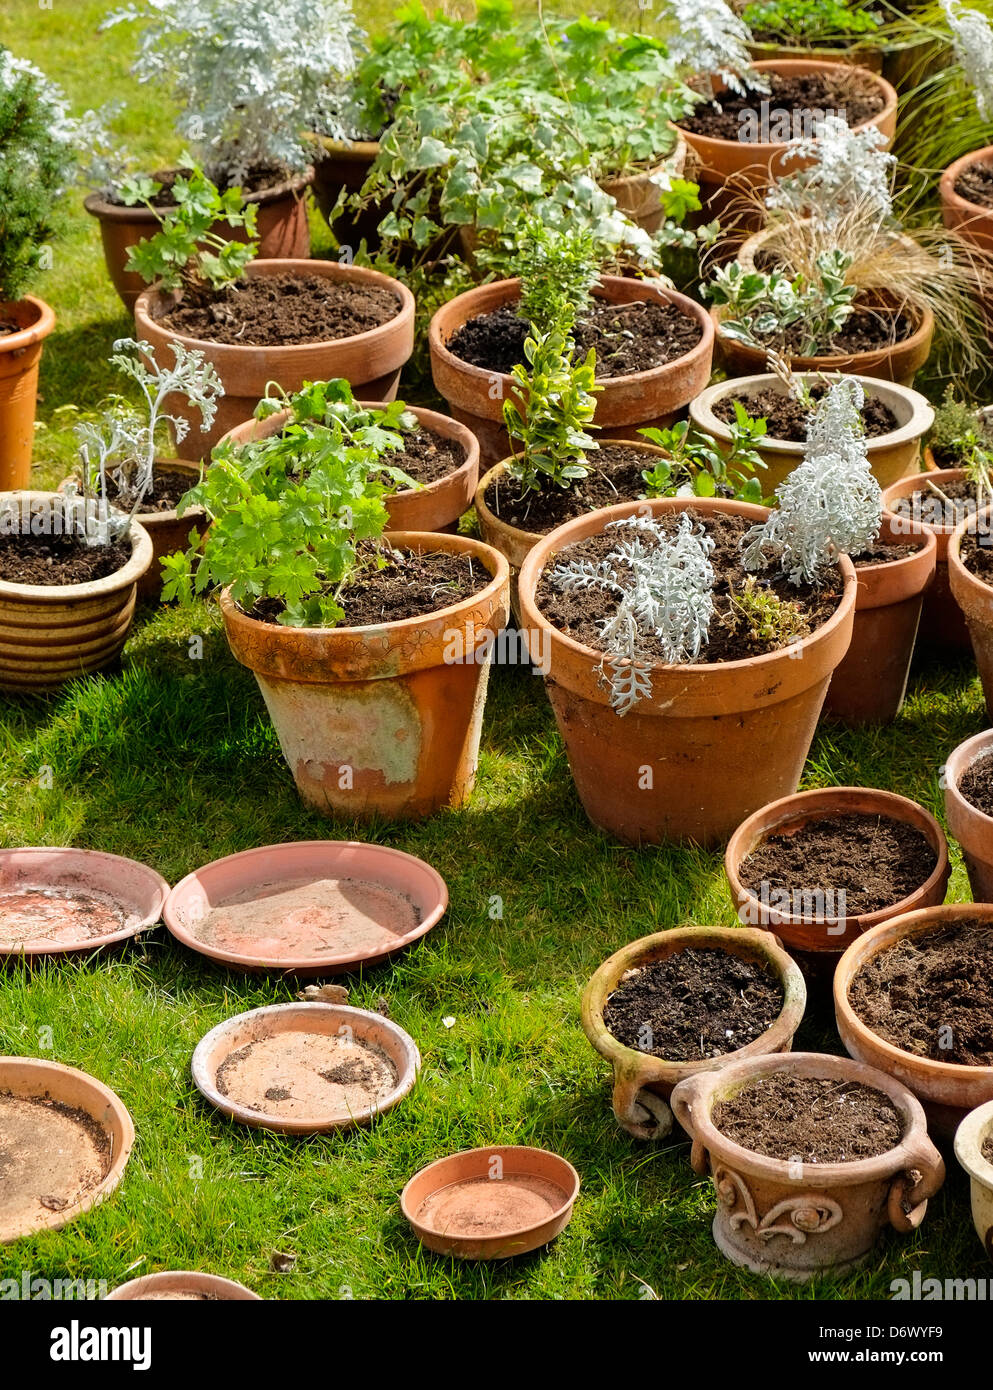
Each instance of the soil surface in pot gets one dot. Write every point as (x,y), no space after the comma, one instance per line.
(58,559)
(627,338)
(274,310)
(582,613)
(295,1075)
(427,456)
(51,1157)
(410,585)
(976,784)
(786,418)
(987,1149)
(882,554)
(866,329)
(732,117)
(975,185)
(976,552)
(168,486)
(932,995)
(57,916)
(809,1118)
(933,508)
(874,860)
(255,180)
(695,1003)
(615,476)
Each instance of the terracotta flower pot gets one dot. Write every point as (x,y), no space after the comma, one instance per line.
(624,405)
(51,633)
(942,623)
(971,221)
(436,506)
(970,1137)
(638,195)
(369,361)
(20,358)
(715,741)
(837,929)
(892,456)
(791,1219)
(281,230)
(187,1286)
(389,704)
(870,683)
(967,823)
(975,600)
(947,1089)
(339,165)
(642,1082)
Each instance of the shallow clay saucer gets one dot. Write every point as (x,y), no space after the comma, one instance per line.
(182,1286)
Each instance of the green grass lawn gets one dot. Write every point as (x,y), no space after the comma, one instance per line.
(173,761)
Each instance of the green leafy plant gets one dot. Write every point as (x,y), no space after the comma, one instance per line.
(766,310)
(695,463)
(187,253)
(813,22)
(557,269)
(962,437)
(770,619)
(549,414)
(324,402)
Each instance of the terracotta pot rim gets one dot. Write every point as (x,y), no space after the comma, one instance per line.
(958,762)
(500,1150)
(950,176)
(973,1130)
(655,164)
(956,566)
(43,324)
(926,547)
(196,1282)
(98,206)
(791,808)
(155,518)
(906,487)
(129,573)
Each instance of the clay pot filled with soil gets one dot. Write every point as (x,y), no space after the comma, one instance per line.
(182,1286)
(893,417)
(382,715)
(714,739)
(287,321)
(442,456)
(974,1151)
(810,1157)
(639,194)
(24,326)
(970,577)
(914,997)
(341,166)
(968,782)
(654,348)
(936,501)
(823,866)
(281,226)
(966,190)
(683,1001)
(65,608)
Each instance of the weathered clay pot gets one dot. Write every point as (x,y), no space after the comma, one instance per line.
(392,704)
(967,823)
(642,1082)
(638,195)
(369,361)
(870,683)
(970,1137)
(948,1090)
(714,742)
(624,404)
(187,1286)
(793,1220)
(52,633)
(436,506)
(20,359)
(971,221)
(281,230)
(975,600)
(942,623)
(891,456)
(837,929)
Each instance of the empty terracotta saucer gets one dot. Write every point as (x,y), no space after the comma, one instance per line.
(53,901)
(305,1068)
(313,907)
(486,1204)
(183,1286)
(64,1141)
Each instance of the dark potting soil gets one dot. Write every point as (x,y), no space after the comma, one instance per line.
(810,1119)
(976,552)
(865,330)
(932,995)
(168,486)
(733,117)
(976,784)
(427,456)
(882,554)
(582,613)
(257,179)
(786,418)
(876,860)
(975,185)
(281,309)
(697,1003)
(58,559)
(8,326)
(409,586)
(928,502)
(987,1148)
(627,337)
(614,476)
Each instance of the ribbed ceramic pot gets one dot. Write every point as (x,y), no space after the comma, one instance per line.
(972,1136)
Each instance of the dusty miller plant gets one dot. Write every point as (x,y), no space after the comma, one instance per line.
(972,41)
(708,37)
(848,168)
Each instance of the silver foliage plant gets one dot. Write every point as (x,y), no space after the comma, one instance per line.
(831,504)
(848,169)
(972,41)
(709,38)
(664,584)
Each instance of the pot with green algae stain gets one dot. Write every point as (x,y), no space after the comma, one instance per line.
(381,720)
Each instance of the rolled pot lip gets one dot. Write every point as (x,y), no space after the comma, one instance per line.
(958,762)
(158,518)
(879,938)
(99,206)
(496,1150)
(973,1130)
(921,419)
(129,573)
(951,175)
(197,1281)
(917,482)
(35,332)
(658,164)
(549,546)
(607,977)
(956,564)
(747,838)
(923,558)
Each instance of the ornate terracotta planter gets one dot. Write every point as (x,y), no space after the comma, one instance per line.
(975,600)
(967,823)
(20,360)
(970,1137)
(942,623)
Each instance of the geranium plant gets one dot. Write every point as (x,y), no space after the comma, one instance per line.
(694,465)
(187,253)
(814,22)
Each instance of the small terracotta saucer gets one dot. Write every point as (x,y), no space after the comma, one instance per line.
(486,1204)
(183,1286)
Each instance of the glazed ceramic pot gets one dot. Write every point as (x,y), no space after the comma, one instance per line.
(399,706)
(184,1286)
(967,823)
(834,930)
(642,1082)
(975,1132)
(624,404)
(942,624)
(714,742)
(892,456)
(970,221)
(947,1089)
(975,600)
(369,361)
(790,1219)
(50,633)
(436,506)
(20,359)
